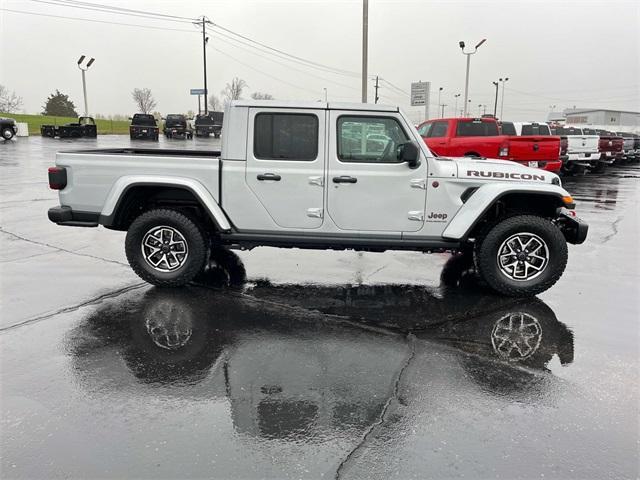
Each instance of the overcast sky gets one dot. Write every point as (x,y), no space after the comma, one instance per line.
(564,53)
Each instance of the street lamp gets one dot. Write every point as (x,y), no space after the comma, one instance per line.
(439,92)
(495,105)
(325,93)
(456,107)
(468,54)
(503,81)
(84,82)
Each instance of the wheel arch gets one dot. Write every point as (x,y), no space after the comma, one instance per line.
(131,196)
(491,202)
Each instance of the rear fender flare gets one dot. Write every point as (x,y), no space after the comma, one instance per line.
(205,197)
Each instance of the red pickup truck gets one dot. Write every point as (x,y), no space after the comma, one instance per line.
(480,137)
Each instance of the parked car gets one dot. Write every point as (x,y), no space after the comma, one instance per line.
(8,128)
(285,178)
(628,149)
(582,151)
(177,125)
(533,131)
(209,124)
(636,145)
(143,127)
(480,137)
(85,127)
(610,146)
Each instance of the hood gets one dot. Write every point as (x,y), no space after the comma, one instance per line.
(502,170)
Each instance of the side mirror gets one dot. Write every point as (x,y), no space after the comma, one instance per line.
(410,153)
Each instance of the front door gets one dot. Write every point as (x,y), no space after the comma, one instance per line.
(369,188)
(286,165)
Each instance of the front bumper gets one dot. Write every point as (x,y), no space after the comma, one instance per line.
(64,215)
(573,228)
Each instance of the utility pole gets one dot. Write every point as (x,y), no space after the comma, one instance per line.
(466,82)
(505,80)
(84,82)
(455,109)
(204,62)
(376,87)
(365,47)
(442,114)
(439,92)
(495,105)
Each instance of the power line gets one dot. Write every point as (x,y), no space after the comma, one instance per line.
(59,3)
(110,7)
(96,21)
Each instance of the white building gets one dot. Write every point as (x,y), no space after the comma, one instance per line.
(607,119)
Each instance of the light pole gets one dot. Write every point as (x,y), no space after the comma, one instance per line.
(456,107)
(495,105)
(325,94)
(439,92)
(503,81)
(84,82)
(365,47)
(466,82)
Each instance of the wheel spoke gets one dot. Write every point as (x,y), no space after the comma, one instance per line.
(523,256)
(164,248)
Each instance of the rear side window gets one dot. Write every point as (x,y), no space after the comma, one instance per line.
(508,128)
(476,128)
(285,136)
(438,129)
(535,129)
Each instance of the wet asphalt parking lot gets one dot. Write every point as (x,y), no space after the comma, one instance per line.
(311,364)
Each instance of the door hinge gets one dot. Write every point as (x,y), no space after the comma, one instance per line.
(314,212)
(417,215)
(316,181)
(419,183)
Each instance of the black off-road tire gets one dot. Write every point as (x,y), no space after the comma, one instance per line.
(486,252)
(190,230)
(7,133)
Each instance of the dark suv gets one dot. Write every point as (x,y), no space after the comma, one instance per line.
(175,125)
(209,123)
(143,126)
(8,128)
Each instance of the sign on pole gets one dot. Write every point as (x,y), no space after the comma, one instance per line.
(198,91)
(420,96)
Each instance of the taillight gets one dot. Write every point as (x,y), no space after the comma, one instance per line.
(504,150)
(57,178)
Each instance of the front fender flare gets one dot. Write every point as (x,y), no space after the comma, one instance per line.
(205,197)
(484,198)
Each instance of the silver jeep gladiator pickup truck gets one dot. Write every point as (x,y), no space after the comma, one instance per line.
(320,175)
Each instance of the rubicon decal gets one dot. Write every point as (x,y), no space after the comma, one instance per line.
(512,176)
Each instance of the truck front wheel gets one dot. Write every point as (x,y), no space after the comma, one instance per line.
(522,256)
(7,133)
(165,247)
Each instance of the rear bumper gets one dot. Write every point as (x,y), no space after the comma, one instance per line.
(573,228)
(63,215)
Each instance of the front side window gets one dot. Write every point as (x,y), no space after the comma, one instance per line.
(285,136)
(369,139)
(438,129)
(423,129)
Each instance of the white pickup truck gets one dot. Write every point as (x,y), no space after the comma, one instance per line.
(583,149)
(308,175)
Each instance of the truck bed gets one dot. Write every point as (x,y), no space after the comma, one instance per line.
(159,152)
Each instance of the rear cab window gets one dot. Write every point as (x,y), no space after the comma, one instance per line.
(508,128)
(285,136)
(476,128)
(535,129)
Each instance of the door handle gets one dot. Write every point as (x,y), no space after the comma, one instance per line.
(269,176)
(345,179)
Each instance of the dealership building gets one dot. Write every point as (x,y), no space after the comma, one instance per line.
(607,119)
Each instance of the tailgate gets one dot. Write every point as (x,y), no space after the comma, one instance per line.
(528,148)
(583,144)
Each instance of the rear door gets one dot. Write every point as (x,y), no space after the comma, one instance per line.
(286,165)
(369,189)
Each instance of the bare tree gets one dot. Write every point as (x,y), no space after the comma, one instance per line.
(233,90)
(261,96)
(144,99)
(9,101)
(214,103)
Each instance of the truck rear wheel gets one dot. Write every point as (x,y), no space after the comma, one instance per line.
(165,247)
(522,256)
(7,133)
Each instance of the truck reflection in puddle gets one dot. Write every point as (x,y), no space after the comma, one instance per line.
(286,360)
